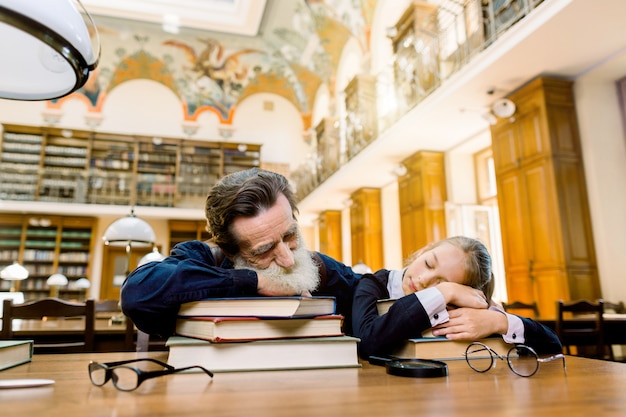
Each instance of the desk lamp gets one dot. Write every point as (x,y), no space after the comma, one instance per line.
(47,49)
(129,232)
(55,281)
(13,273)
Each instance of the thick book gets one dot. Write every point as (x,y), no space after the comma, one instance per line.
(440,348)
(382,306)
(15,352)
(265,355)
(259,307)
(230,329)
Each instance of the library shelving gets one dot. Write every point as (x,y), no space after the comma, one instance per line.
(46,245)
(76,166)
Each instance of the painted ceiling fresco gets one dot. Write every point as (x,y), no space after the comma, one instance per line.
(297,50)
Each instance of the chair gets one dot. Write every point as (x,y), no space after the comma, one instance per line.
(113,307)
(520,305)
(588,330)
(50,309)
(617,308)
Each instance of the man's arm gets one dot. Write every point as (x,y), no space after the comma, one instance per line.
(152,294)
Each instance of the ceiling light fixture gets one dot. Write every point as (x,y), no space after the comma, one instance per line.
(503,108)
(47,49)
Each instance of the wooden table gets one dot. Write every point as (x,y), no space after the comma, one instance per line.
(590,387)
(109,336)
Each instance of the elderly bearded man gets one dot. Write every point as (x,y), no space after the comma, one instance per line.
(256,249)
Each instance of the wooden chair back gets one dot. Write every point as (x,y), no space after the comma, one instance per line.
(581,323)
(52,308)
(516,306)
(112,310)
(617,308)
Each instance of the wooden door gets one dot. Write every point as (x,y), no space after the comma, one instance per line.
(114,268)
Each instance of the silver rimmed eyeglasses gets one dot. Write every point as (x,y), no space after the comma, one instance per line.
(128,378)
(522,359)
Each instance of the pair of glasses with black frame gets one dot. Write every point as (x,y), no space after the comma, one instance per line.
(522,359)
(128,378)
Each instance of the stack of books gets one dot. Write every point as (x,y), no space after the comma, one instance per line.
(438,347)
(261,333)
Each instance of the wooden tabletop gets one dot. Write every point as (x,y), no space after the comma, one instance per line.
(589,388)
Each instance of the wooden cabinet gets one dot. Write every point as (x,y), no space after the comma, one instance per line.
(546,231)
(366,228)
(330,235)
(422,193)
(74,166)
(45,245)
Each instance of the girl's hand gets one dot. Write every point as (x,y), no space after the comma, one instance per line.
(472,324)
(461,295)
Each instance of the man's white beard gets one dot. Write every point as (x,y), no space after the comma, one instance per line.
(302,277)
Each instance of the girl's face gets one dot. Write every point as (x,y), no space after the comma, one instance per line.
(445,262)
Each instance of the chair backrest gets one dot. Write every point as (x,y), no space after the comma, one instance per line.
(113,307)
(581,323)
(516,306)
(617,308)
(53,308)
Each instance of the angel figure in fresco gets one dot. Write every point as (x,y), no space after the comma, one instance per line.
(226,71)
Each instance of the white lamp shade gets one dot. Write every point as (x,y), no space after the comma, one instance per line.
(129,230)
(82,283)
(46,48)
(154,256)
(14,272)
(503,108)
(57,279)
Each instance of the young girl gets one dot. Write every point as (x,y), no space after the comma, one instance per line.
(447,286)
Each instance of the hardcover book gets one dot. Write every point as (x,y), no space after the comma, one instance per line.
(259,307)
(265,355)
(440,348)
(229,329)
(15,352)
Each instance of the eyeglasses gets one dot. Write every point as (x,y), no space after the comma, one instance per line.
(522,359)
(128,378)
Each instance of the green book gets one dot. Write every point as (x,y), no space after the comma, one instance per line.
(265,355)
(15,352)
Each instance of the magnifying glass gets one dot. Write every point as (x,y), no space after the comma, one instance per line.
(410,367)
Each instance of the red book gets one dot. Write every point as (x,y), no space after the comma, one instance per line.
(239,329)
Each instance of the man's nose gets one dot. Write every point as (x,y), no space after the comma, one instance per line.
(284,256)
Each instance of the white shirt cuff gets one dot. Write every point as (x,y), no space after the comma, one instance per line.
(435,305)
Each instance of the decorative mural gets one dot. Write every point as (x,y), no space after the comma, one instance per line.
(298,50)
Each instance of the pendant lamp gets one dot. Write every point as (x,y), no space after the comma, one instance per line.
(46,47)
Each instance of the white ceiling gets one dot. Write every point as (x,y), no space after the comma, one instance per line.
(242,17)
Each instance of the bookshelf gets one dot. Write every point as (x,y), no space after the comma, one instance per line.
(76,166)
(185,230)
(44,246)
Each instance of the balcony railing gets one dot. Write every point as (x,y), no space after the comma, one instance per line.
(431,43)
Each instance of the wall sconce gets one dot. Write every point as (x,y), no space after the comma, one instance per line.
(48,47)
(39,222)
(55,281)
(226,131)
(190,127)
(52,116)
(14,273)
(93,120)
(400,170)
